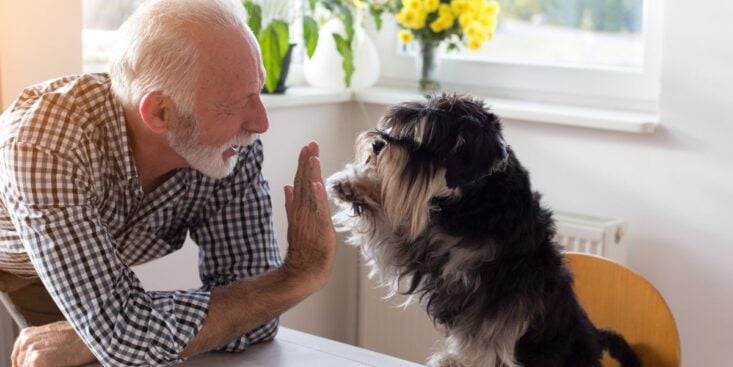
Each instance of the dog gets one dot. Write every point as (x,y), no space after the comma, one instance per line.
(444,212)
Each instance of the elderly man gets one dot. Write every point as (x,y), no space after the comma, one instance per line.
(100,173)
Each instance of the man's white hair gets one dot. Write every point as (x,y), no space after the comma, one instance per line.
(157,48)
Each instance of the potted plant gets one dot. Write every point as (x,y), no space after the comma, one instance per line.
(270,22)
(345,56)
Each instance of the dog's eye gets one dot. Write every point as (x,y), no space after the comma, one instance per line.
(377,146)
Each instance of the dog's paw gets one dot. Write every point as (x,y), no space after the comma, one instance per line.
(343,190)
(339,186)
(349,186)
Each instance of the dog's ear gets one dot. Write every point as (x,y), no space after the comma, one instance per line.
(479,150)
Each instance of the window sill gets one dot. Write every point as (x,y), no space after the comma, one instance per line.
(298,96)
(545,113)
(508,109)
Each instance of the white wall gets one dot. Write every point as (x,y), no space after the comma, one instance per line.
(39,40)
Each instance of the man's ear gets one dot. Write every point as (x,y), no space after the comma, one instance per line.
(157,111)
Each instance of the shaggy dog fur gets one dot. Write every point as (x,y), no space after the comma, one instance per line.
(443,211)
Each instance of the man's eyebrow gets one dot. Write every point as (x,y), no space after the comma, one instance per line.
(236,104)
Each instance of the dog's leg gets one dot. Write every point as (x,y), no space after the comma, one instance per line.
(444,359)
(449,356)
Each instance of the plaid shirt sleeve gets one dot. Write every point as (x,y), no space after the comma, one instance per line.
(237,239)
(50,196)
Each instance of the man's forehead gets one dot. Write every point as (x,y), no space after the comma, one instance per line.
(230,66)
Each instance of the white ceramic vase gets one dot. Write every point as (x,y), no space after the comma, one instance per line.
(325,70)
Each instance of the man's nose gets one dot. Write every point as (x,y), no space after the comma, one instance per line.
(258,123)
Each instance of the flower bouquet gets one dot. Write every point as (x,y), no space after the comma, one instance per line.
(459,23)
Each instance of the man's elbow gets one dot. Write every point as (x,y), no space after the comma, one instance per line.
(264,333)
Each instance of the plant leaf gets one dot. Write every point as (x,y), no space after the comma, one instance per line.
(376,12)
(348,20)
(310,35)
(254,16)
(271,56)
(344,48)
(343,12)
(282,30)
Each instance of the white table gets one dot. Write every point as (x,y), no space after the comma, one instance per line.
(294,348)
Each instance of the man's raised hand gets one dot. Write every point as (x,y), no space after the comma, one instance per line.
(311,236)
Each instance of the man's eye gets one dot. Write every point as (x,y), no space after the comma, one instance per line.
(377,146)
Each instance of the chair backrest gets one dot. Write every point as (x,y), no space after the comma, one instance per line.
(617,298)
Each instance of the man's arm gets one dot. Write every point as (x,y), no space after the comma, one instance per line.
(51,199)
(243,305)
(240,306)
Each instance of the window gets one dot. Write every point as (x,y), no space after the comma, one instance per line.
(581,33)
(100,20)
(600,53)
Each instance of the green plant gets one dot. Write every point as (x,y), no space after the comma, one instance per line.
(270,21)
(348,12)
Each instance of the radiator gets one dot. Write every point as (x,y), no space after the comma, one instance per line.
(406,332)
(592,235)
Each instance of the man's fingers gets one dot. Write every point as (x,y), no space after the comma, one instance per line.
(299,169)
(32,356)
(288,189)
(314,149)
(315,170)
(301,175)
(14,354)
(309,170)
(321,199)
(302,158)
(18,347)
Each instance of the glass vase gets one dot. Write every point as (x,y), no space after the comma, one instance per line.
(427,66)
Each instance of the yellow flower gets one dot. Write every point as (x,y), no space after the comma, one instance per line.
(474,43)
(422,16)
(465,18)
(440,25)
(406,36)
(474,29)
(445,11)
(475,5)
(487,21)
(460,6)
(431,5)
(413,5)
(492,9)
(411,19)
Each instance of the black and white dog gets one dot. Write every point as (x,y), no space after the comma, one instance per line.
(444,212)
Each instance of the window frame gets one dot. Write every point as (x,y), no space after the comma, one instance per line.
(590,86)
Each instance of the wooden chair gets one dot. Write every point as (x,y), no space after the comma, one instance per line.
(617,298)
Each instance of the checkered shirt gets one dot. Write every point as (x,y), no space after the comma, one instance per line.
(73,213)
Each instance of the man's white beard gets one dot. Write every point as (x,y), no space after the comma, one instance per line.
(204,158)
